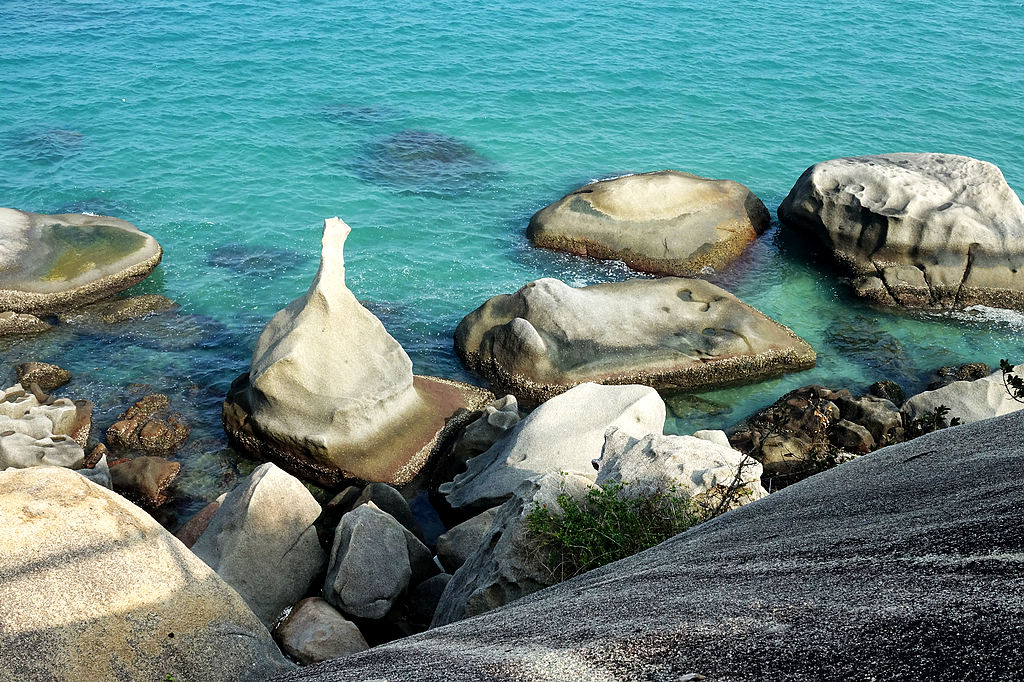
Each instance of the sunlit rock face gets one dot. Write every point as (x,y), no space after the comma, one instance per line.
(94,589)
(331,395)
(51,263)
(916,230)
(666,222)
(666,333)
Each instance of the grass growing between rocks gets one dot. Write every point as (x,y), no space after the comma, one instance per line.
(606,526)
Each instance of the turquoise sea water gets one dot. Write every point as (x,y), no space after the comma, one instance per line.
(229,130)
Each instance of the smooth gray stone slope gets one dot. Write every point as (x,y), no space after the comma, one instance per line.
(906,564)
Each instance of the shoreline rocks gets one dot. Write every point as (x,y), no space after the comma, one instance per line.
(666,222)
(916,230)
(669,333)
(331,395)
(53,263)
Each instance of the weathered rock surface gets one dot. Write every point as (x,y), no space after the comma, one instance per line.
(331,395)
(94,589)
(459,543)
(315,631)
(21,323)
(700,469)
(666,222)
(51,263)
(969,400)
(504,567)
(47,376)
(119,310)
(144,480)
(917,230)
(907,561)
(261,541)
(36,432)
(390,501)
(564,434)
(665,333)
(148,426)
(370,567)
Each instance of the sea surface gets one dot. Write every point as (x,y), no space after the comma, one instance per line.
(230,130)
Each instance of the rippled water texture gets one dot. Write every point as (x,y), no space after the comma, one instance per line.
(229,130)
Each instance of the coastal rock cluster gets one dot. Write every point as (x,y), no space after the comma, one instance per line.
(429,482)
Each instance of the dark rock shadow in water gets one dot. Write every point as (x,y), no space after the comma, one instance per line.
(361,114)
(248,259)
(97,205)
(862,341)
(45,145)
(421,162)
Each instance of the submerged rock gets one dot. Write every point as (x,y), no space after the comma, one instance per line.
(119,310)
(21,323)
(47,376)
(917,230)
(144,480)
(666,333)
(665,222)
(331,395)
(94,589)
(564,434)
(423,162)
(147,426)
(51,263)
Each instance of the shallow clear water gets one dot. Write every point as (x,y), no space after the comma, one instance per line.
(229,130)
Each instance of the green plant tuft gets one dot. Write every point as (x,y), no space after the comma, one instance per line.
(931,421)
(606,526)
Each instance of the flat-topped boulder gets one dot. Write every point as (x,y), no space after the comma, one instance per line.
(666,222)
(51,263)
(93,588)
(669,333)
(330,395)
(916,230)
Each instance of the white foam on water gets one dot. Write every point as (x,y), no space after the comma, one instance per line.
(999,317)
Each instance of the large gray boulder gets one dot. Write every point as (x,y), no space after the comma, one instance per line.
(373,562)
(698,468)
(666,333)
(904,564)
(93,589)
(505,566)
(460,541)
(666,222)
(50,263)
(971,401)
(918,230)
(564,434)
(262,542)
(331,395)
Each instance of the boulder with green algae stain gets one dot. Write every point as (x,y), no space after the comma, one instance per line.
(668,333)
(331,395)
(666,222)
(94,589)
(50,263)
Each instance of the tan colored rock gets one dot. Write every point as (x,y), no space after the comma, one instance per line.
(668,333)
(46,375)
(51,263)
(119,310)
(331,395)
(148,426)
(665,222)
(36,432)
(917,230)
(19,323)
(144,480)
(93,589)
(315,631)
